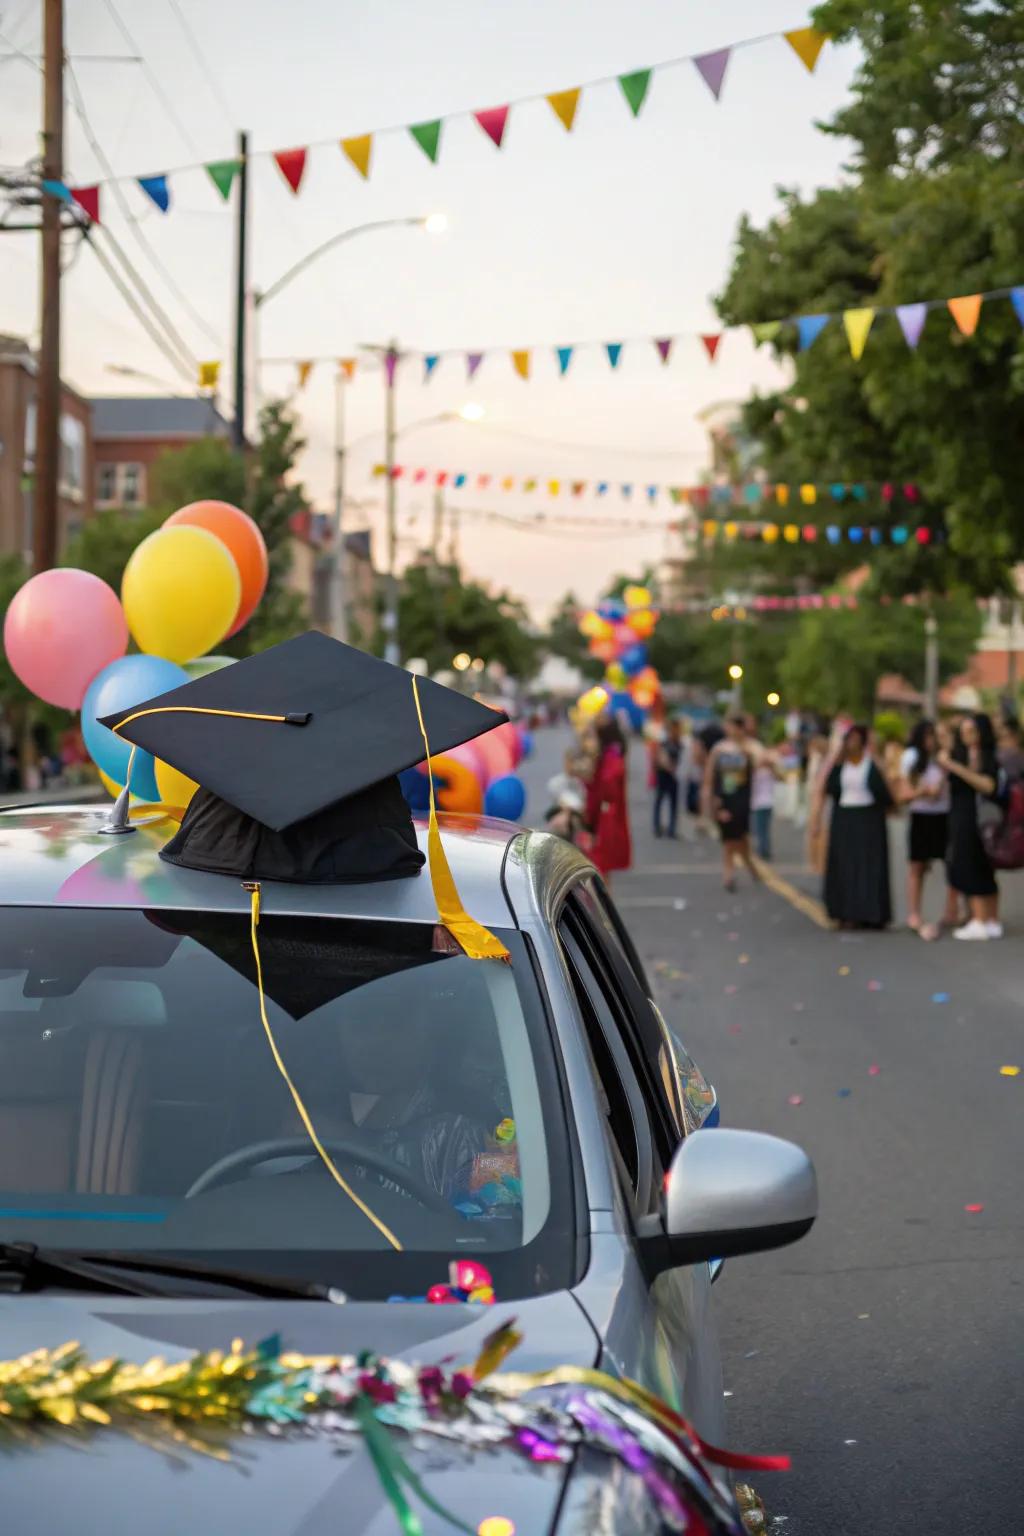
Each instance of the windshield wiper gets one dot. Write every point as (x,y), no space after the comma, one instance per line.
(39,1267)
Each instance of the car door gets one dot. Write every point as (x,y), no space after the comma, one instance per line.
(677,1349)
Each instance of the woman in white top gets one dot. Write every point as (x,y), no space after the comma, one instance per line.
(857,871)
(924,789)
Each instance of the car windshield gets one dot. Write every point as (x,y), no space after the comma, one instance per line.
(142,1109)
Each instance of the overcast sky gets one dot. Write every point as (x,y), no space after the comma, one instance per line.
(622,228)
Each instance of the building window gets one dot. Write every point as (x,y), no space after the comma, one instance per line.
(121,485)
(72,456)
(131,485)
(106,485)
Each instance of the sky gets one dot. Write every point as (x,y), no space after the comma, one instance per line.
(623,228)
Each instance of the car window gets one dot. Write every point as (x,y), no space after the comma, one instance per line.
(135,1073)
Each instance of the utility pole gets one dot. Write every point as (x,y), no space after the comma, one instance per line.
(437,528)
(241,286)
(47,451)
(453,536)
(931,666)
(338,608)
(391,647)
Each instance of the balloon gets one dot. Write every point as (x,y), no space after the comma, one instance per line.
(244,542)
(181,590)
(510,736)
(505,798)
(604,650)
(642,623)
(415,788)
(526,742)
(204,665)
(637,597)
(624,637)
(174,787)
(124,683)
(472,758)
(456,786)
(112,789)
(61,628)
(634,659)
(593,626)
(612,609)
(592,702)
(496,753)
(616,675)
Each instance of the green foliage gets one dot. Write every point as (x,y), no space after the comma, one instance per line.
(563,638)
(104,543)
(209,469)
(441,614)
(12,575)
(890,725)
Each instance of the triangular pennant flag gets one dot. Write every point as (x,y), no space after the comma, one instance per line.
(209,373)
(492,120)
(348,367)
(553,487)
(390,361)
(88,198)
(459,482)
(473,361)
(563,104)
(965,311)
(806,43)
(627,490)
(578,487)
(428,137)
(483,481)
(292,164)
(634,88)
(57,189)
(857,323)
(521,363)
(430,362)
(358,151)
(155,187)
(652,493)
(677,493)
(564,355)
(304,370)
(222,173)
(379,470)
(419,477)
(912,318)
(765,330)
(602,487)
(614,350)
(809,328)
(530,485)
(782,495)
(1017,300)
(441,478)
(808,494)
(664,348)
(711,344)
(712,67)
(508,483)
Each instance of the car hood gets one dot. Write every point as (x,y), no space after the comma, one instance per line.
(293,1485)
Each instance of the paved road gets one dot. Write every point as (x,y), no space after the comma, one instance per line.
(885,1351)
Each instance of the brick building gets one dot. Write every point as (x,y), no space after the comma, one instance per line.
(130,432)
(18,394)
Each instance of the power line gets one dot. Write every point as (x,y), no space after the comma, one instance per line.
(154,84)
(130,299)
(216,89)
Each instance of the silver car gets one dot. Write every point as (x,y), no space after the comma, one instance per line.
(159,1194)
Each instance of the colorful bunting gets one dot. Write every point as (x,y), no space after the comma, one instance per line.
(473,361)
(722,494)
(711,67)
(430,362)
(711,344)
(808,495)
(428,137)
(292,165)
(57,189)
(88,199)
(578,487)
(209,373)
(553,487)
(459,482)
(858,323)
(664,348)
(912,318)
(765,330)
(635,87)
(1017,300)
(358,151)
(521,363)
(807,43)
(564,359)
(483,481)
(564,104)
(965,311)
(390,365)
(222,173)
(348,367)
(155,187)
(492,120)
(809,328)
(614,351)
(304,370)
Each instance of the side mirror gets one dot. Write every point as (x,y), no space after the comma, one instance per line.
(733,1192)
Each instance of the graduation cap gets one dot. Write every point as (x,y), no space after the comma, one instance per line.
(297,752)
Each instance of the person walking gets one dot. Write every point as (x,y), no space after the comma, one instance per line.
(924,790)
(857,893)
(666,784)
(762,801)
(973,783)
(727,781)
(607,814)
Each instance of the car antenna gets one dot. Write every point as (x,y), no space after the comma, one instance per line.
(117,823)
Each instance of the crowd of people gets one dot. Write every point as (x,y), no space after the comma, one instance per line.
(960,788)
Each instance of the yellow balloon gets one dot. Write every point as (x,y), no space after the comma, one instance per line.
(180,591)
(175,788)
(637,597)
(592,702)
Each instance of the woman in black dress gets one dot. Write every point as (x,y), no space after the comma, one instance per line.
(857,870)
(727,782)
(973,780)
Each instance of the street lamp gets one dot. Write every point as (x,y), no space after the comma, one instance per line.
(462,662)
(773,700)
(736,672)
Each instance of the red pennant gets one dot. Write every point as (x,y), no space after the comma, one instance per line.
(292,164)
(88,198)
(483,481)
(442,476)
(711,344)
(492,120)
(419,477)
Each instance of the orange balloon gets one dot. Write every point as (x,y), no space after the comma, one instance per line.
(244,541)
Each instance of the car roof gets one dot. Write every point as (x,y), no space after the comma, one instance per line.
(59,856)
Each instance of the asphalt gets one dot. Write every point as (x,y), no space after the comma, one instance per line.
(885,1351)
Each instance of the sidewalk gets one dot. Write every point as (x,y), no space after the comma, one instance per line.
(74,794)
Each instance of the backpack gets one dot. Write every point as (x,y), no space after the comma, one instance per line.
(1004,838)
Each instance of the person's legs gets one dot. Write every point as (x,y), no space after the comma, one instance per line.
(915,887)
(659,796)
(763,831)
(744,853)
(672,795)
(729,865)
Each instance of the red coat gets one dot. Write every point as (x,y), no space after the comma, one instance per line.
(607,814)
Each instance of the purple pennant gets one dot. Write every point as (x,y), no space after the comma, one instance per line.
(473,361)
(665,346)
(712,68)
(911,318)
(390,364)
(1017,300)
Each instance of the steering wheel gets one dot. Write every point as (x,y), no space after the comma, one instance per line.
(257,1152)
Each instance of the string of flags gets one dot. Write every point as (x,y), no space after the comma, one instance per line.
(811,533)
(634,85)
(770,602)
(750,493)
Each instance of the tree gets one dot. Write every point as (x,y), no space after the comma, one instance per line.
(104,543)
(441,614)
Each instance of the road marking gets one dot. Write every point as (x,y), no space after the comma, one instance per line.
(805,904)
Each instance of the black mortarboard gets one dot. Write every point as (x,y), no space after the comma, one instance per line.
(296,751)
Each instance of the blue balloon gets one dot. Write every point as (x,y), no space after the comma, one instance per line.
(505,798)
(633,659)
(612,609)
(124,683)
(415,788)
(526,742)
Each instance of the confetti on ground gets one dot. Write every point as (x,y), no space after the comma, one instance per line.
(727,1394)
(873,1070)
(1009,1071)
(751,1353)
(744,960)
(844,970)
(940,997)
(732,937)
(799,1007)
(974,1209)
(862,1317)
(796,1098)
(843,1093)
(849,1442)
(680,904)
(874,986)
(731,988)
(734,1029)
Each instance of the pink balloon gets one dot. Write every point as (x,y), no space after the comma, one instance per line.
(509,733)
(469,755)
(61,629)
(496,753)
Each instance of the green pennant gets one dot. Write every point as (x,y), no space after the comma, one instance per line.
(634,88)
(428,137)
(766,330)
(222,173)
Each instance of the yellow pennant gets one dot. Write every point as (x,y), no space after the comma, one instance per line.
(710,528)
(791,533)
(358,151)
(209,373)
(857,323)
(731,530)
(807,43)
(808,495)
(966,311)
(348,367)
(304,369)
(770,533)
(563,104)
(554,486)
(521,364)
(782,495)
